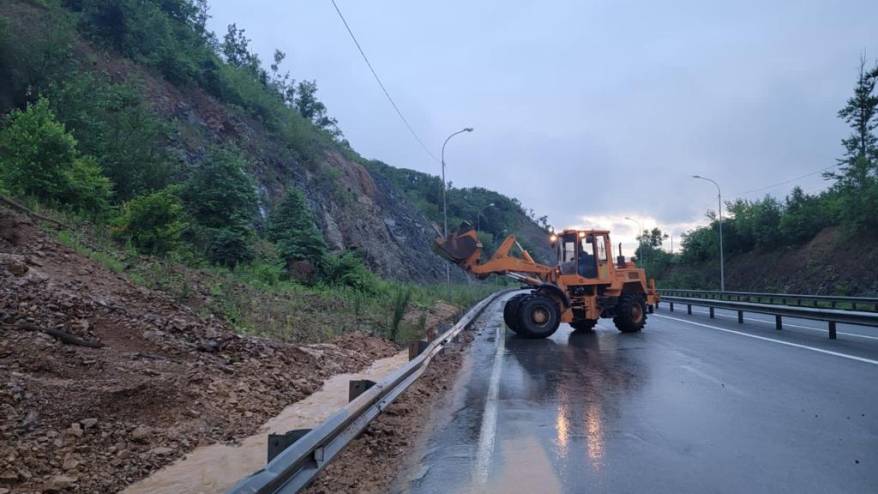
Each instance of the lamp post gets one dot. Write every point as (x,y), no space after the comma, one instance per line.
(479,214)
(719,203)
(640,230)
(445,203)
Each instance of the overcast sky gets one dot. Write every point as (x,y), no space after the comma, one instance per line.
(586,111)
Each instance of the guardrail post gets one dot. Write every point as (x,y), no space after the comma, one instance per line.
(671,306)
(832,334)
(279,442)
(778,323)
(740,317)
(416,347)
(854,305)
(357,387)
(711,312)
(689,309)
(832,304)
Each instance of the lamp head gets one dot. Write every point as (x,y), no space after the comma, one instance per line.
(468,129)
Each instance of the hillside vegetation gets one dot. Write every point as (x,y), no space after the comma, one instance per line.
(182,145)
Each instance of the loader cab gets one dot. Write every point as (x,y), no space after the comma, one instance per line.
(584,253)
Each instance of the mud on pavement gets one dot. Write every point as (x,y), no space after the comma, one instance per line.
(103,382)
(372,462)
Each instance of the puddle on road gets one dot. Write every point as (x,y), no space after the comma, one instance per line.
(216,468)
(526,467)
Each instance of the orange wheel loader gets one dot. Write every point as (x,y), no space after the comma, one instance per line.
(585,285)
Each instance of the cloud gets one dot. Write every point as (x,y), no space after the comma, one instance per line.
(585,109)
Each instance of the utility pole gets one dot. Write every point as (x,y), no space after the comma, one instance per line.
(719,195)
(445,204)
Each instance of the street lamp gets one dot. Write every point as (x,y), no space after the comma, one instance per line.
(445,203)
(719,196)
(479,214)
(640,231)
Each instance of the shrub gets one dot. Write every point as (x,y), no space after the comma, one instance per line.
(229,246)
(401,299)
(38,158)
(87,188)
(35,149)
(348,270)
(153,223)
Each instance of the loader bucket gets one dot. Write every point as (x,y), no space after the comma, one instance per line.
(459,246)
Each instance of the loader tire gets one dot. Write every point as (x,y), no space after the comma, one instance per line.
(630,313)
(510,311)
(538,317)
(584,326)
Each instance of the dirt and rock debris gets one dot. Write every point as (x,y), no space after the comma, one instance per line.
(372,462)
(104,382)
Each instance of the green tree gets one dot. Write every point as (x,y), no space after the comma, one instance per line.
(113,121)
(220,194)
(229,246)
(292,228)
(856,179)
(313,109)
(153,222)
(804,216)
(39,158)
(236,49)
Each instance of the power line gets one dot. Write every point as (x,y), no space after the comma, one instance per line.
(785,182)
(381,84)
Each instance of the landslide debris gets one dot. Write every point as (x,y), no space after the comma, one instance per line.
(372,463)
(103,382)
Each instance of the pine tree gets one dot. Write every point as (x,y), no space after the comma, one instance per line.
(861,147)
(857,178)
(291,227)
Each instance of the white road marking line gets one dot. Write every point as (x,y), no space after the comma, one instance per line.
(781,342)
(844,333)
(488,432)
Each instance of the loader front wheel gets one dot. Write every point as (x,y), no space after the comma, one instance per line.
(630,313)
(510,311)
(538,317)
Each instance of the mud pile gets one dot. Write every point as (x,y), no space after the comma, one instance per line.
(103,382)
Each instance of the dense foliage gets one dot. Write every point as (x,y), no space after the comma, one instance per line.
(40,159)
(153,223)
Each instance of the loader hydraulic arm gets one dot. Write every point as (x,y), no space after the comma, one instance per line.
(464,249)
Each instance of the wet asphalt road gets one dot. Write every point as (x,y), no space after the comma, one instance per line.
(691,404)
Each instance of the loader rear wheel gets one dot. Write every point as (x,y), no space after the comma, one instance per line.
(584,325)
(630,313)
(538,317)
(510,311)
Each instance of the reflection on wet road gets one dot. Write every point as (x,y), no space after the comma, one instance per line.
(677,408)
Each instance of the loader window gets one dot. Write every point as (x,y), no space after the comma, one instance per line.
(587,267)
(602,248)
(568,255)
(569,251)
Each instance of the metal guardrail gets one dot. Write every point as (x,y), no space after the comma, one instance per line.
(833,301)
(296,466)
(831,316)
